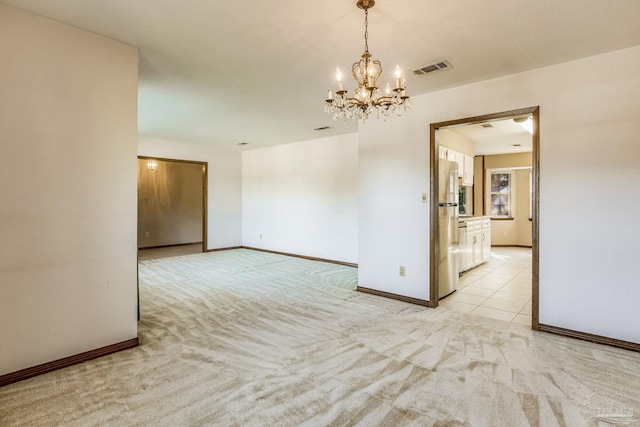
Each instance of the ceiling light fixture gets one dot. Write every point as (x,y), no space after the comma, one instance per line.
(367,97)
(526,123)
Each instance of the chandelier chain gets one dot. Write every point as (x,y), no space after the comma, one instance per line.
(366,30)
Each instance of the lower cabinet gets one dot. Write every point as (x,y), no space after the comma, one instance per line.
(476,250)
(478,244)
(486,240)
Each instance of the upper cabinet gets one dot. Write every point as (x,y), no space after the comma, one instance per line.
(447,153)
(464,161)
(460,161)
(467,174)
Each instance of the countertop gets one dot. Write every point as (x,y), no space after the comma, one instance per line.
(472,218)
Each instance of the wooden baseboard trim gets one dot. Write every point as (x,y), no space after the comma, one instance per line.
(598,339)
(34,371)
(330,261)
(403,298)
(169,246)
(224,249)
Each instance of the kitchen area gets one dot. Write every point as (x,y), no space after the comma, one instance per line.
(485,220)
(465,239)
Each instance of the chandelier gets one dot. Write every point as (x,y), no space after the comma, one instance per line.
(367,97)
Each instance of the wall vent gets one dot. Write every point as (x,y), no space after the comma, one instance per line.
(436,66)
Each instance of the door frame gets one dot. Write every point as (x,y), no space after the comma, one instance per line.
(205,181)
(434,240)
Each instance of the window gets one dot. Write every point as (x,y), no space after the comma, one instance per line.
(501,185)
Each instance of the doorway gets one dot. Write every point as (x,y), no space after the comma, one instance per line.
(172,206)
(436,154)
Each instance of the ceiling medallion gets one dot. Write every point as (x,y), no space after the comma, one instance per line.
(367,97)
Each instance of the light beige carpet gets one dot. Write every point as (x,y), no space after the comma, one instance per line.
(245,338)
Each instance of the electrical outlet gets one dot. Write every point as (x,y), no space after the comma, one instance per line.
(146,234)
(402,271)
(424,198)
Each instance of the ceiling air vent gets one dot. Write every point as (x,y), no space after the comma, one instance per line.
(486,125)
(436,66)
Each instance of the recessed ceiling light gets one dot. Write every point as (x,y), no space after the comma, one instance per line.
(486,125)
(517,145)
(322,128)
(243,143)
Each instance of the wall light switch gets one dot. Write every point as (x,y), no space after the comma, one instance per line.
(402,271)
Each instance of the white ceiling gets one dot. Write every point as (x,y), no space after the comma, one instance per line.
(501,138)
(223,72)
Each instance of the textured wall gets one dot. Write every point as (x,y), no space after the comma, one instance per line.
(224,186)
(68,130)
(169,203)
(302,198)
(589,170)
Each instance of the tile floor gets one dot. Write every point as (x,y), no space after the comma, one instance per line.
(499,289)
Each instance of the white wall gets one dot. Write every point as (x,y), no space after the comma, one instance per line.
(590,122)
(224,210)
(68,125)
(303,198)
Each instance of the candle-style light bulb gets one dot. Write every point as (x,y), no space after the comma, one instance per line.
(339,78)
(398,77)
(387,89)
(329,94)
(371,71)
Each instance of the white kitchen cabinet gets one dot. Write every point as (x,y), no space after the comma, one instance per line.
(477,247)
(467,169)
(460,162)
(452,155)
(464,161)
(447,153)
(474,242)
(486,240)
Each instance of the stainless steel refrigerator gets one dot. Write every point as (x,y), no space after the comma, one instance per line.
(448,220)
